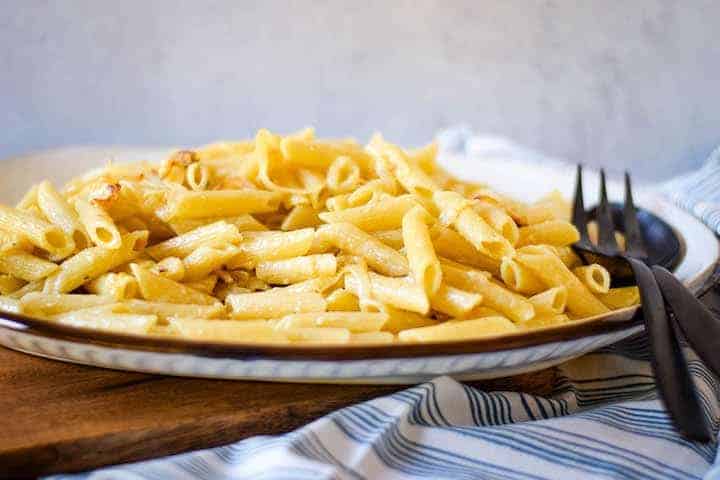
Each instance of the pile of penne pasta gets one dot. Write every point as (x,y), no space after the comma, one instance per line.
(295,240)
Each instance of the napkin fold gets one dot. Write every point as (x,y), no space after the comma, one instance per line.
(603,418)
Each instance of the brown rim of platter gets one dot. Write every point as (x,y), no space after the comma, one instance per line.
(617,320)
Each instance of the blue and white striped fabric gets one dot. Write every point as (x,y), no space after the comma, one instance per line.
(602,420)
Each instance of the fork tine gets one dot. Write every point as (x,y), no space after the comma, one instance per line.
(634,243)
(606,227)
(579,217)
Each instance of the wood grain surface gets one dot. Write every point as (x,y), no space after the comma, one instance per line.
(60,417)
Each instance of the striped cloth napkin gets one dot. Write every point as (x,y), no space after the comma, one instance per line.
(602,420)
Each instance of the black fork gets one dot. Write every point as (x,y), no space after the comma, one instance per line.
(669,308)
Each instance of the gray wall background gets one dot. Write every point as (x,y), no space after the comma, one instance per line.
(621,83)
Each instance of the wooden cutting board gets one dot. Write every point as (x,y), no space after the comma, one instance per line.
(60,417)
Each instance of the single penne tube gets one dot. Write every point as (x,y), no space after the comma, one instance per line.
(98,224)
(460,275)
(156,288)
(550,302)
(165,310)
(317,335)
(424,157)
(498,219)
(546,320)
(465,330)
(399,320)
(510,304)
(379,256)
(10,305)
(9,284)
(119,286)
(203,261)
(219,203)
(38,303)
(169,267)
(558,233)
(59,212)
(301,216)
(391,238)
(372,337)
(319,154)
(399,292)
(23,265)
(274,303)
(116,322)
(264,246)
(457,211)
(453,301)
(244,223)
(343,175)
(40,233)
(355,322)
(621,297)
(93,262)
(219,233)
(384,215)
(259,331)
(298,269)
(450,244)
(424,264)
(550,269)
(341,300)
(520,278)
(197,176)
(595,277)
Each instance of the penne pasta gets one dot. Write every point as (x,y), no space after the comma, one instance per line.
(595,277)
(259,331)
(156,288)
(520,278)
(424,264)
(550,269)
(381,215)
(355,322)
(558,233)
(215,234)
(274,303)
(100,226)
(550,302)
(263,246)
(119,286)
(93,262)
(288,239)
(351,239)
(38,232)
(23,265)
(298,269)
(453,301)
(59,212)
(219,203)
(466,330)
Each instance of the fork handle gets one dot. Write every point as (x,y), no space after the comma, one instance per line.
(668,361)
(697,323)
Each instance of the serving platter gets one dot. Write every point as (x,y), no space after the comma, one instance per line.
(399,364)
